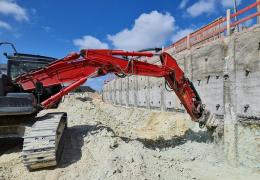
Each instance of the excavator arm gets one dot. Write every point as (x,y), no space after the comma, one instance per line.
(76,68)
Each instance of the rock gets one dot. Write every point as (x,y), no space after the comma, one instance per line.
(192,158)
(117,171)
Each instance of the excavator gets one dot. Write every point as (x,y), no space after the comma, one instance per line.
(28,90)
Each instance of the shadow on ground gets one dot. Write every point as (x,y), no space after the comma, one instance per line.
(75,140)
(10,145)
(190,135)
(84,99)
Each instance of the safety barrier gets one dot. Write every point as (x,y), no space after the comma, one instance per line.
(214,30)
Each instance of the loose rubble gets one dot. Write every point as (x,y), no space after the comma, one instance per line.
(104,141)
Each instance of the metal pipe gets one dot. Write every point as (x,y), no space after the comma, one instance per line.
(228,23)
(11,44)
(258,10)
(53,99)
(128,53)
(235,11)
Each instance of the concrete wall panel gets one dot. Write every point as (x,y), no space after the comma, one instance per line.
(113,87)
(207,60)
(124,91)
(132,92)
(141,91)
(118,91)
(247,48)
(155,92)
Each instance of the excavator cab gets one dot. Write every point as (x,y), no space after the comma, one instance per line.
(19,63)
(13,100)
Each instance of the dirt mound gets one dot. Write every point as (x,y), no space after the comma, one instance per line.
(108,142)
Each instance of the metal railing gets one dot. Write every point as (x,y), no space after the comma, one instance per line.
(211,31)
(214,30)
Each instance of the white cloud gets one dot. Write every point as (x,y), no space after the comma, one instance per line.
(90,42)
(201,7)
(4,25)
(181,33)
(10,7)
(149,30)
(229,3)
(183,4)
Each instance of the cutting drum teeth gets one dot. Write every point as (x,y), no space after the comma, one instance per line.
(43,145)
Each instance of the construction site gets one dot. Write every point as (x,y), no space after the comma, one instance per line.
(190,110)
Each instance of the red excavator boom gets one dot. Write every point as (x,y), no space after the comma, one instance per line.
(76,68)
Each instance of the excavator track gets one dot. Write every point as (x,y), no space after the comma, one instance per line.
(43,144)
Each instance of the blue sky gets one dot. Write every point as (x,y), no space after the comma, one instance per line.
(56,28)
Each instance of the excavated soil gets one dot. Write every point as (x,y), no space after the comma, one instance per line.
(104,141)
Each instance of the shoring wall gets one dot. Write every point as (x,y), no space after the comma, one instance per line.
(226,74)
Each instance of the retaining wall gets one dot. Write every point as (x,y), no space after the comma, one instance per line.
(226,74)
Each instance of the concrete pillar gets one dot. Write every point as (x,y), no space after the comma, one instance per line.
(188,65)
(110,91)
(120,91)
(127,91)
(258,10)
(135,91)
(102,94)
(230,119)
(114,91)
(163,101)
(228,22)
(188,42)
(235,11)
(148,92)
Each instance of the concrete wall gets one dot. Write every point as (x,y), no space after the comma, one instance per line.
(226,73)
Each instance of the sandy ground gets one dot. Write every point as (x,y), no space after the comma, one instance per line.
(108,142)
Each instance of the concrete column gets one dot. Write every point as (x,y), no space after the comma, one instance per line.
(163,101)
(148,92)
(188,42)
(258,10)
(135,91)
(230,119)
(188,65)
(114,91)
(228,22)
(110,92)
(235,11)
(105,93)
(102,94)
(127,91)
(120,92)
